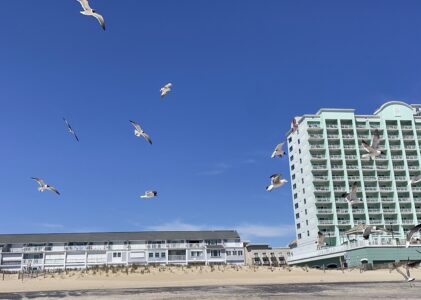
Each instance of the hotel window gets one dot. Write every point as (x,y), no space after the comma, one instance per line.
(298,225)
(307,222)
(297,215)
(301,170)
(299,236)
(240,252)
(301,161)
(162,254)
(156,254)
(302,180)
(298,141)
(215,253)
(290,149)
(294,186)
(308,233)
(229,253)
(292,167)
(295,196)
(305,212)
(116,254)
(304,190)
(290,140)
(299,151)
(293,176)
(291,158)
(296,205)
(150,255)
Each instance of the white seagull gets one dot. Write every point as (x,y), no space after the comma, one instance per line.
(275,182)
(70,129)
(411,233)
(414,180)
(88,11)
(149,194)
(165,89)
(43,186)
(369,229)
(351,197)
(278,152)
(138,131)
(372,149)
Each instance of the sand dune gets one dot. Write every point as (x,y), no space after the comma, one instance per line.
(193,276)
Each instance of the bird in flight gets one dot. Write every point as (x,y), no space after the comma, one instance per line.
(414,180)
(275,182)
(165,89)
(372,149)
(369,229)
(278,152)
(138,131)
(70,129)
(88,11)
(351,197)
(411,233)
(149,194)
(43,186)
(407,276)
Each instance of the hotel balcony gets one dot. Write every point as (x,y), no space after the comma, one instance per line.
(393,137)
(406,127)
(387,199)
(416,189)
(320,178)
(318,157)
(345,126)
(321,189)
(410,147)
(317,146)
(374,211)
(412,157)
(376,222)
(397,157)
(319,167)
(395,147)
(402,189)
(408,222)
(32,262)
(408,137)
(406,211)
(401,178)
(352,167)
(334,146)
(388,211)
(33,249)
(417,200)
(333,136)
(338,178)
(324,212)
(325,222)
(342,211)
(384,178)
(315,136)
(358,211)
(392,127)
(372,200)
(351,157)
(353,178)
(404,200)
(314,127)
(322,199)
(349,146)
(344,222)
(331,126)
(348,137)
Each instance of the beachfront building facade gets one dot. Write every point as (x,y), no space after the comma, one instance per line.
(265,255)
(325,157)
(83,250)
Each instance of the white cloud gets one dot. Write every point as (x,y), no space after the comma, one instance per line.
(246,230)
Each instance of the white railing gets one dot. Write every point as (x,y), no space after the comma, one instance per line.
(344,221)
(411,157)
(33,249)
(338,178)
(176,245)
(332,136)
(325,222)
(406,127)
(400,178)
(324,211)
(342,211)
(320,146)
(350,157)
(176,257)
(331,126)
(320,178)
(404,200)
(371,200)
(372,210)
(387,210)
(408,222)
(32,261)
(408,137)
(358,211)
(322,199)
(334,147)
(319,167)
(354,177)
(312,136)
(346,126)
(352,167)
(348,136)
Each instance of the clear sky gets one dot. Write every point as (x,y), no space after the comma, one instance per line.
(241,70)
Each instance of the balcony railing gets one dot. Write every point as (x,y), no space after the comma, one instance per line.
(331,126)
(346,126)
(348,136)
(387,199)
(376,221)
(323,200)
(176,257)
(32,261)
(408,222)
(358,211)
(319,167)
(342,211)
(332,136)
(406,127)
(400,178)
(33,249)
(338,178)
(325,222)
(404,200)
(384,178)
(317,178)
(389,210)
(342,222)
(408,137)
(324,211)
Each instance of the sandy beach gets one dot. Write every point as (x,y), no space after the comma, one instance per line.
(154,277)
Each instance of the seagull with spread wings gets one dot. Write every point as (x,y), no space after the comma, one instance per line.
(70,129)
(138,131)
(88,11)
(351,197)
(275,182)
(43,186)
(369,229)
(149,194)
(407,276)
(411,233)
(372,150)
(279,151)
(165,89)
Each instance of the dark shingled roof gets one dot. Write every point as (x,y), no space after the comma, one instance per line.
(117,236)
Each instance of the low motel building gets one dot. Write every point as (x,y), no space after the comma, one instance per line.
(83,250)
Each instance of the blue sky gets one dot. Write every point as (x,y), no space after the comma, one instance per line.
(241,70)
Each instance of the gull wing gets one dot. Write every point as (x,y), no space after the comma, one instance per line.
(168,85)
(53,189)
(147,137)
(85,4)
(100,20)
(366,146)
(376,139)
(39,181)
(411,233)
(279,147)
(136,126)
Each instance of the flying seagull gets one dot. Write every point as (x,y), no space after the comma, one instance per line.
(88,11)
(70,129)
(372,149)
(407,276)
(165,89)
(43,186)
(411,233)
(369,229)
(351,197)
(275,182)
(138,131)
(414,180)
(278,152)
(149,194)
